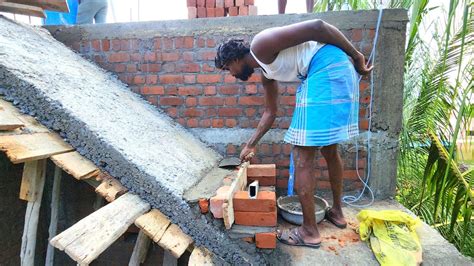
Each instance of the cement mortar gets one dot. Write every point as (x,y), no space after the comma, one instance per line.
(150,154)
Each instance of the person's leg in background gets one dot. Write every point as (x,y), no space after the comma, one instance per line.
(85,13)
(281,6)
(309,6)
(101,15)
(335,169)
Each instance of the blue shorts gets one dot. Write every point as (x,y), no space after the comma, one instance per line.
(327,101)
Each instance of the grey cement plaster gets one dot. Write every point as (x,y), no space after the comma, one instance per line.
(150,154)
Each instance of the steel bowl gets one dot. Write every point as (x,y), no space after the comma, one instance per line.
(296,216)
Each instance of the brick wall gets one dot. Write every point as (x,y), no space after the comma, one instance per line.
(176,73)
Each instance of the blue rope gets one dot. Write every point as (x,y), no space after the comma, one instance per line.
(351,200)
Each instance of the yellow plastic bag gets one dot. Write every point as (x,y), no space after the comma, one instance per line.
(391,235)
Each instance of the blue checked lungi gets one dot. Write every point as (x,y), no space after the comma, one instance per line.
(327,101)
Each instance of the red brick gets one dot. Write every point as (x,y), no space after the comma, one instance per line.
(171,91)
(211,3)
(191,3)
(229,89)
(229,79)
(171,79)
(261,170)
(230,101)
(256,218)
(282,182)
(249,239)
(364,124)
(95,44)
(229,3)
(115,44)
(152,90)
(189,91)
(263,180)
(171,101)
(150,67)
(149,57)
(243,11)
(188,68)
(220,12)
(287,100)
(351,174)
(188,56)
(239,2)
(192,123)
(251,100)
(356,35)
(201,3)
(251,89)
(172,112)
(250,111)
(169,56)
(205,123)
(120,68)
(210,12)
(184,42)
(191,101)
(167,43)
(266,240)
(210,90)
(233,11)
(193,112)
(131,68)
(157,43)
(189,79)
(118,57)
(211,101)
(208,78)
(105,45)
(125,45)
(215,203)
(229,111)
(201,42)
(230,122)
(201,12)
(136,57)
(211,112)
(210,55)
(208,68)
(204,205)
(169,67)
(139,79)
(265,202)
(219,3)
(192,12)
(255,78)
(249,2)
(217,123)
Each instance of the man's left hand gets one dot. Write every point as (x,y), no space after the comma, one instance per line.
(361,65)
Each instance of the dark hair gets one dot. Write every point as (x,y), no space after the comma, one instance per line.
(231,50)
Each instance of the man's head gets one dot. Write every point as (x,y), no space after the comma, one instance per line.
(230,56)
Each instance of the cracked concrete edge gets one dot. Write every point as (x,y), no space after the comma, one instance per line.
(248,25)
(30,100)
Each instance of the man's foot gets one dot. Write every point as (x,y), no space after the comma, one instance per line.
(336,217)
(296,237)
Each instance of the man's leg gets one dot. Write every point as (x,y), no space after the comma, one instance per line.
(101,15)
(305,185)
(335,168)
(281,6)
(309,6)
(85,13)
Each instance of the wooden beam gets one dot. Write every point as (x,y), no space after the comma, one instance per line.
(175,241)
(29,147)
(30,124)
(200,256)
(53,5)
(76,165)
(88,238)
(109,188)
(22,9)
(140,250)
(32,177)
(53,224)
(9,121)
(239,183)
(28,243)
(153,224)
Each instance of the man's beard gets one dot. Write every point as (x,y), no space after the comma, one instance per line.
(245,74)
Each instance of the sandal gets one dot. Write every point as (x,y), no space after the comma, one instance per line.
(331,220)
(293,234)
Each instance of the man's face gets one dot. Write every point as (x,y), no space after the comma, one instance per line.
(239,69)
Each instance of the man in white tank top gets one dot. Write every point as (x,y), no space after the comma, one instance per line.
(286,54)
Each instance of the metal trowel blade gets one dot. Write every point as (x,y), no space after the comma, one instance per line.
(230,162)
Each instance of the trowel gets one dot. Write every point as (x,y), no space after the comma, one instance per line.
(231,162)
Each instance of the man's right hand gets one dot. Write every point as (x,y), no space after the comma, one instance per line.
(247,153)
(360,64)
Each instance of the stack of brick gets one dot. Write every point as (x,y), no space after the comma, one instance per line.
(258,212)
(220,8)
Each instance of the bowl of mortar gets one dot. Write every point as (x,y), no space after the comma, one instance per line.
(290,209)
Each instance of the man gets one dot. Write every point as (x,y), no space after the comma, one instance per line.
(326,112)
(92,10)
(282,6)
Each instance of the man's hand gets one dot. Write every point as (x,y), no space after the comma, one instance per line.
(247,153)
(360,64)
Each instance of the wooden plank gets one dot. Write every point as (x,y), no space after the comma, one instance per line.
(53,224)
(32,177)
(175,241)
(140,250)
(109,188)
(28,241)
(200,256)
(22,9)
(88,238)
(53,5)
(153,224)
(76,165)
(239,183)
(30,124)
(9,121)
(28,147)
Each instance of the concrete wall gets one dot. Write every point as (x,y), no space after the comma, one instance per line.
(171,65)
